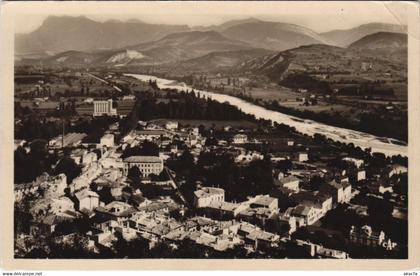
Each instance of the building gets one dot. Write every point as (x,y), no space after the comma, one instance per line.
(358,163)
(290,182)
(70,140)
(316,200)
(146,164)
(116,210)
(305,215)
(101,108)
(361,175)
(343,178)
(340,192)
(149,135)
(303,156)
(87,199)
(107,141)
(240,139)
(264,201)
(366,236)
(396,170)
(256,237)
(248,156)
(171,125)
(319,250)
(207,196)
(89,158)
(77,155)
(385,188)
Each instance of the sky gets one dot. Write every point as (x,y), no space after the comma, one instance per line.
(319,16)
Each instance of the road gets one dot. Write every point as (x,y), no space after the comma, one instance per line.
(175,185)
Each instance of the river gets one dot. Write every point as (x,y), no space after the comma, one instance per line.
(305,126)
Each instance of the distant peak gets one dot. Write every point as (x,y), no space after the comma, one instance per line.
(54,19)
(195,33)
(66,17)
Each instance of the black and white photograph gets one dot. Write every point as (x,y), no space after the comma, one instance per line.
(212,131)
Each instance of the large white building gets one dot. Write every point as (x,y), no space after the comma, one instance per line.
(101,108)
(146,164)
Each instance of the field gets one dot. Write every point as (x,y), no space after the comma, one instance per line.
(280,94)
(209,123)
(320,107)
(61,83)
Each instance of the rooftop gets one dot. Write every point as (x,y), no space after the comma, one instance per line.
(108,136)
(85,193)
(151,132)
(264,200)
(143,159)
(225,206)
(337,185)
(301,210)
(288,179)
(208,191)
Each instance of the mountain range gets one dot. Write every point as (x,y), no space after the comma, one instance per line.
(186,45)
(250,43)
(381,40)
(65,33)
(273,35)
(344,38)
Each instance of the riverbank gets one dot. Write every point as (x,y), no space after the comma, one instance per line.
(305,126)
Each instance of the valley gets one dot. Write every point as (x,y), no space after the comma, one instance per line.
(345,78)
(211,135)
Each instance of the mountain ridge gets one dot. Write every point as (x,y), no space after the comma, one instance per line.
(345,37)
(59,34)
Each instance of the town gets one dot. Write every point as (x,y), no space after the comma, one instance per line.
(108,166)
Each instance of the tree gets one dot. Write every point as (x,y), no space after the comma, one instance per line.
(36,253)
(137,248)
(301,233)
(22,221)
(134,175)
(315,182)
(379,208)
(147,148)
(67,166)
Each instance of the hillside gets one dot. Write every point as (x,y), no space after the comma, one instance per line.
(344,38)
(300,59)
(186,45)
(222,27)
(64,33)
(221,60)
(75,58)
(273,35)
(331,64)
(171,48)
(382,41)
